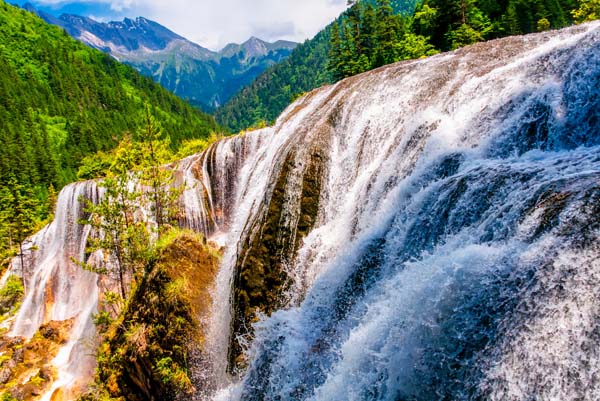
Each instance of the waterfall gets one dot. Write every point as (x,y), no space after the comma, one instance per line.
(57,289)
(428,230)
(454,254)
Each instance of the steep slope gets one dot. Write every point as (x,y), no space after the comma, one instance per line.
(427,230)
(62,101)
(203,77)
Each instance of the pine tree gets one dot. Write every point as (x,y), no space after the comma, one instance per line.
(387,34)
(121,236)
(368,35)
(335,53)
(347,65)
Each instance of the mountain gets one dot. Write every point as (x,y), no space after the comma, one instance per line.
(426,230)
(272,91)
(203,77)
(62,101)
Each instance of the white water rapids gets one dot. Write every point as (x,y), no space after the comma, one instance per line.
(455,253)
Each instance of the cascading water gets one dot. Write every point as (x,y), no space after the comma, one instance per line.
(455,253)
(57,289)
(425,231)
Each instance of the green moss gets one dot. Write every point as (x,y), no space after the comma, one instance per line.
(10,297)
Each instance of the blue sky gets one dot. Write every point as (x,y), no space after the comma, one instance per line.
(95,9)
(212,23)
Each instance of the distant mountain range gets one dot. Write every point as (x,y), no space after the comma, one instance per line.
(203,77)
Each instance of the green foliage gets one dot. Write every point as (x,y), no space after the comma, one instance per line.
(543,25)
(171,373)
(62,101)
(10,296)
(19,213)
(123,238)
(161,196)
(412,46)
(267,96)
(194,146)
(148,348)
(588,10)
(272,91)
(372,36)
(463,35)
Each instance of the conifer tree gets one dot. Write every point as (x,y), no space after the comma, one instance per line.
(137,181)
(121,236)
(387,34)
(335,53)
(368,37)
(18,214)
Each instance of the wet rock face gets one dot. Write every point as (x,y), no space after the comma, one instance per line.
(26,369)
(261,277)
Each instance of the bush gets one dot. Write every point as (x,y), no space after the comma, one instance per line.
(11,294)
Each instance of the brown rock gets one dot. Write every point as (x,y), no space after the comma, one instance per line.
(5,375)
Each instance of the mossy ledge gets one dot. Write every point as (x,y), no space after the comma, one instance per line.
(148,352)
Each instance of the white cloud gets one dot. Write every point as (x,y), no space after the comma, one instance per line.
(214,23)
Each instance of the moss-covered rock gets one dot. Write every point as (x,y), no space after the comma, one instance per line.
(10,297)
(260,278)
(147,353)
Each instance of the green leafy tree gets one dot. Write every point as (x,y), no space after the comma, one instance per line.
(543,25)
(414,46)
(589,10)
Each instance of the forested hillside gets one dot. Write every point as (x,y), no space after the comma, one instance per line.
(204,78)
(61,101)
(374,33)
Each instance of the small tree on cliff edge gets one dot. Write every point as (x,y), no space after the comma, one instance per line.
(162,197)
(137,181)
(121,236)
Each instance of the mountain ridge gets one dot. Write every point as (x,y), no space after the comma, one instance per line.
(203,77)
